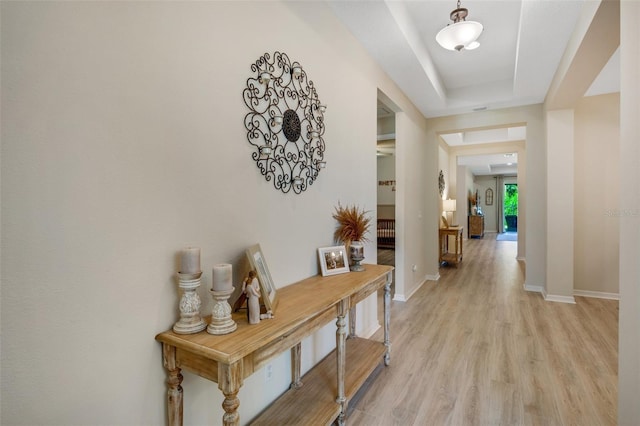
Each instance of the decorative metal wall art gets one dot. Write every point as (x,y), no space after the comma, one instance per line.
(488,197)
(441,183)
(285,123)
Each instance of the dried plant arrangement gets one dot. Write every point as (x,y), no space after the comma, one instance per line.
(353,224)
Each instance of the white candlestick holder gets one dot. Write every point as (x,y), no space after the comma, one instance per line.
(221,322)
(190,321)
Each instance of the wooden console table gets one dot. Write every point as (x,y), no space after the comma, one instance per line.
(303,308)
(475,225)
(445,255)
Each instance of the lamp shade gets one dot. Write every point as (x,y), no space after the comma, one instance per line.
(460,35)
(449,205)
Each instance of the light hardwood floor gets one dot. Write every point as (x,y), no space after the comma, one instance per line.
(475,348)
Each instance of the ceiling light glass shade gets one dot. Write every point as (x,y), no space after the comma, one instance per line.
(459,35)
(472,45)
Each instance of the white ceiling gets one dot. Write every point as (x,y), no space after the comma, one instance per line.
(489,165)
(505,134)
(520,50)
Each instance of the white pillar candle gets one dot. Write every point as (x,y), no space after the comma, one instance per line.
(190,260)
(222,277)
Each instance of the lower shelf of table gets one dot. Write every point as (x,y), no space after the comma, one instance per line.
(315,402)
(451,258)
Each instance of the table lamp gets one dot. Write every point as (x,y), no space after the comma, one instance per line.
(449,206)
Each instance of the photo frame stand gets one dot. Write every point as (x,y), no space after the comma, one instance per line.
(333,260)
(221,322)
(258,263)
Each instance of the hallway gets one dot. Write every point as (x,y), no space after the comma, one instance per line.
(475,348)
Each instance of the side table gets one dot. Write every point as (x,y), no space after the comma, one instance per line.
(446,256)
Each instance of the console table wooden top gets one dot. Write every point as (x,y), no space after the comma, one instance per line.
(303,308)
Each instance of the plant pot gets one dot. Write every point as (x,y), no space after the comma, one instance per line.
(512,222)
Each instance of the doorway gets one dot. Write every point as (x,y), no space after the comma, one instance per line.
(386,180)
(510,206)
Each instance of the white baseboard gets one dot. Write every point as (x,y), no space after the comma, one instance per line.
(521,259)
(402,298)
(534,288)
(399,297)
(597,294)
(416,289)
(371,331)
(558,298)
(571,299)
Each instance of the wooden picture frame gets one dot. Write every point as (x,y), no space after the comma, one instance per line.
(488,197)
(258,263)
(333,260)
(445,222)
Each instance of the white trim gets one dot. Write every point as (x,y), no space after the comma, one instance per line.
(534,288)
(521,259)
(399,297)
(403,298)
(386,137)
(558,298)
(371,331)
(597,294)
(416,289)
(435,277)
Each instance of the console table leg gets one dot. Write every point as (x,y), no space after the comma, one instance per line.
(352,322)
(341,337)
(387,318)
(296,383)
(229,382)
(174,380)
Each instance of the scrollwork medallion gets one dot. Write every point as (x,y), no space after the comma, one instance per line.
(285,123)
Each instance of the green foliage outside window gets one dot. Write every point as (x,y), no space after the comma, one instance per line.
(511,200)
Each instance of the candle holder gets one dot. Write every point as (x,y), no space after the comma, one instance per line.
(357,255)
(221,322)
(190,321)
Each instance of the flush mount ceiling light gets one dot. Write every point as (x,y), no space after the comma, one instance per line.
(462,34)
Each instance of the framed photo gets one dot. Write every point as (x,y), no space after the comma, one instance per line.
(333,260)
(445,223)
(259,264)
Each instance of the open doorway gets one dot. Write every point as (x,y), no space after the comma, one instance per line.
(510,207)
(386,180)
(482,179)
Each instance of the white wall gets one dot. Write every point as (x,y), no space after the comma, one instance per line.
(596,194)
(122,142)
(417,210)
(386,175)
(560,217)
(629,338)
(464,188)
(482,183)
(386,126)
(443,165)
